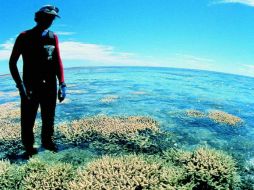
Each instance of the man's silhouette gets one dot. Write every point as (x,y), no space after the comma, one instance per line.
(42,66)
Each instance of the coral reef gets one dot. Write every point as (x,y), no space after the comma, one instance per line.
(207,168)
(11,132)
(10,140)
(45,171)
(46,175)
(10,135)
(224,118)
(126,172)
(9,112)
(107,126)
(11,175)
(195,113)
(203,169)
(217,116)
(113,134)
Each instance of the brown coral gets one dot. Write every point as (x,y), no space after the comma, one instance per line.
(208,168)
(224,118)
(10,175)
(42,175)
(10,141)
(125,172)
(10,135)
(195,113)
(106,126)
(217,116)
(9,111)
(113,134)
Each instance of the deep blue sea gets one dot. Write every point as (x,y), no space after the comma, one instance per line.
(164,94)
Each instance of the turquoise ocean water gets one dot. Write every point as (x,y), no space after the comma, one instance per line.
(164,94)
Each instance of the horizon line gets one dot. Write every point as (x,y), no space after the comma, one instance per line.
(179,68)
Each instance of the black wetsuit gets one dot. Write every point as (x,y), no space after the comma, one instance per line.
(41,65)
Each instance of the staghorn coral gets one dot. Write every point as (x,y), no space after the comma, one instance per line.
(217,116)
(10,139)
(125,172)
(10,175)
(109,99)
(224,118)
(9,111)
(106,126)
(195,113)
(114,134)
(10,142)
(207,168)
(46,175)
(181,170)
(11,132)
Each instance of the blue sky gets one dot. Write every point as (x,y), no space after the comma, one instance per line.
(215,35)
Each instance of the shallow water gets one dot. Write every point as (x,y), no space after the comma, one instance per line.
(164,94)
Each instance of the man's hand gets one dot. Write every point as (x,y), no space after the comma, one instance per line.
(62,92)
(22,91)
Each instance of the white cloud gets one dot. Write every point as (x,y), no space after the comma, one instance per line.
(107,55)
(249,66)
(4,55)
(5,49)
(194,59)
(246,2)
(71,50)
(190,61)
(246,69)
(84,54)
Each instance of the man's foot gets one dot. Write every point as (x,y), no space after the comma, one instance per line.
(29,152)
(50,146)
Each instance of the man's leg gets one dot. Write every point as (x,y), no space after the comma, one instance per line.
(28,114)
(48,105)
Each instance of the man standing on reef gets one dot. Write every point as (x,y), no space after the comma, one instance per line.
(41,66)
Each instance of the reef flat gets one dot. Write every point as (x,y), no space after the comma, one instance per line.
(105,152)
